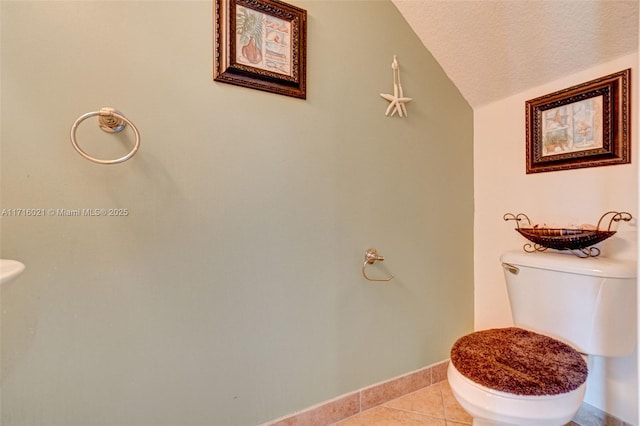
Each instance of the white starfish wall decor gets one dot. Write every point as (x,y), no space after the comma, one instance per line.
(398,100)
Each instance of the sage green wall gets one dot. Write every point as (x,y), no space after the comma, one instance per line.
(231,293)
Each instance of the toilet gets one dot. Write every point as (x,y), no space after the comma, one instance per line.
(564,308)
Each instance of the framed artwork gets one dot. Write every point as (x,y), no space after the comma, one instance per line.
(582,126)
(261,44)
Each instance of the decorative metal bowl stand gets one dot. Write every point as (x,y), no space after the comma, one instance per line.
(579,241)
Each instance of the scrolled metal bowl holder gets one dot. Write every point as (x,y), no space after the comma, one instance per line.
(579,241)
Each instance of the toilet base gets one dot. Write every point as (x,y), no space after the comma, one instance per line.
(493,408)
(482,422)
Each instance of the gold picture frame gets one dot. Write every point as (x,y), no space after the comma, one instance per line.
(261,44)
(586,125)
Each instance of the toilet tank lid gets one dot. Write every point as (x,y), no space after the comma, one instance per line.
(567,262)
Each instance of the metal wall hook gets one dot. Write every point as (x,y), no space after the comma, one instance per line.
(108,122)
(371,256)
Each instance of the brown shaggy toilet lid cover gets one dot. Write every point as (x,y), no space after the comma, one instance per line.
(518,361)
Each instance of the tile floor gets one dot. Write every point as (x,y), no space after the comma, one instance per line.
(433,405)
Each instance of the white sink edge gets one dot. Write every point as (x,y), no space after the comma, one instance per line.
(9,269)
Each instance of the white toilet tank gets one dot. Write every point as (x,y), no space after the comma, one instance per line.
(588,303)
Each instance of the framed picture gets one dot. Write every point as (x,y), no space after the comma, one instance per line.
(583,126)
(261,44)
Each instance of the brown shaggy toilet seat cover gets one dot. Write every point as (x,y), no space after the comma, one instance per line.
(518,361)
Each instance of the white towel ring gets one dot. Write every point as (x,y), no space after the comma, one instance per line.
(109,120)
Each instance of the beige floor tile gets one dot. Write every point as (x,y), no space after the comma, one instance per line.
(452,410)
(426,401)
(385,416)
(384,392)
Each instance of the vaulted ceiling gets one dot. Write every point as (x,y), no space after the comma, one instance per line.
(492,49)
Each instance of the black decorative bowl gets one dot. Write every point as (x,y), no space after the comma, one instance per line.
(579,241)
(564,239)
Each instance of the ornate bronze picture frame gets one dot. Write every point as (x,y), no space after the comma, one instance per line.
(261,44)
(582,126)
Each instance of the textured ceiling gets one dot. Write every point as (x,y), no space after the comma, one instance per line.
(492,49)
